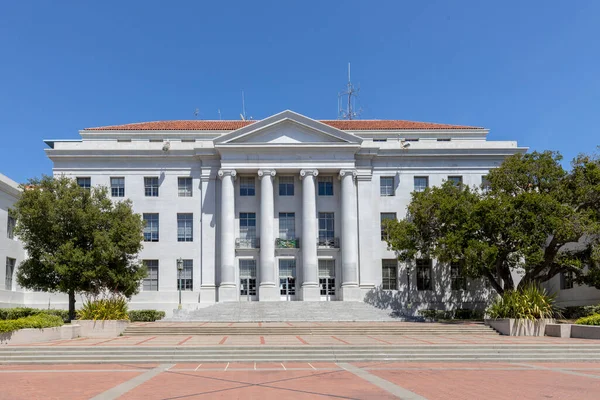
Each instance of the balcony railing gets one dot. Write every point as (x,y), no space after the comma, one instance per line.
(287,243)
(247,243)
(328,243)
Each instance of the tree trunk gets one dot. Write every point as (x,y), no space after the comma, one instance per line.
(71,305)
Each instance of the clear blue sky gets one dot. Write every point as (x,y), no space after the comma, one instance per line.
(528,70)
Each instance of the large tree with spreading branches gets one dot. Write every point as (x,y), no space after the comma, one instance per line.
(77,240)
(531,217)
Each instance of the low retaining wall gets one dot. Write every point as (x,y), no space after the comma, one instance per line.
(585,331)
(558,330)
(102,329)
(34,335)
(519,327)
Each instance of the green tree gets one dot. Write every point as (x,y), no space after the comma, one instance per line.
(77,240)
(532,217)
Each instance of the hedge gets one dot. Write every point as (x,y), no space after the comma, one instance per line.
(22,312)
(33,321)
(575,312)
(591,320)
(145,315)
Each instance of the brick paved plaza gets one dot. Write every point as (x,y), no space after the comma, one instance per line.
(301,380)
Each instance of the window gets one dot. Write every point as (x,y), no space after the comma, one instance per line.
(386,186)
(156,140)
(327,277)
(248,230)
(85,183)
(185,227)
(10,227)
(151,281)
(123,140)
(151,186)
(247,186)
(411,139)
(286,185)
(185,279)
(151,227)
(10,269)
(444,140)
(379,140)
(117,187)
(566,280)
(188,140)
(247,277)
(485,184)
(287,225)
(383,217)
(389,273)
(421,183)
(184,186)
(457,180)
(325,185)
(457,280)
(424,274)
(326,229)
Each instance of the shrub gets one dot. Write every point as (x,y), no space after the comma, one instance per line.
(530,302)
(591,320)
(21,312)
(145,315)
(33,321)
(435,314)
(576,312)
(113,307)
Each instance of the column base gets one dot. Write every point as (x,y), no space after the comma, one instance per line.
(228,293)
(208,294)
(310,293)
(268,293)
(351,293)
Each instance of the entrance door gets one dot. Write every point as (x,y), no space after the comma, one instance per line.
(327,279)
(247,280)
(287,279)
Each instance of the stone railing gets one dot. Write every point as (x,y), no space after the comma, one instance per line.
(247,243)
(330,243)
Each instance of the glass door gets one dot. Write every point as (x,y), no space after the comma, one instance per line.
(287,279)
(247,280)
(327,279)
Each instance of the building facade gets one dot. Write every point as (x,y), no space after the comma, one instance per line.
(287,208)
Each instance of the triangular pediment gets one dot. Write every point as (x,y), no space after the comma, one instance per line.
(285,128)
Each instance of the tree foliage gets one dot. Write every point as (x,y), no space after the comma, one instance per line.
(77,240)
(533,218)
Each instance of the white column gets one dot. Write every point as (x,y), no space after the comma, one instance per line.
(349,245)
(267,290)
(208,238)
(369,271)
(227,287)
(308,241)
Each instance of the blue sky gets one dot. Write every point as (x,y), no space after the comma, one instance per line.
(528,71)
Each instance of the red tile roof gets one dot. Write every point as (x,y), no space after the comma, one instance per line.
(204,125)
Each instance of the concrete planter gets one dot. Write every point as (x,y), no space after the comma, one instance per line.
(34,335)
(585,331)
(102,329)
(519,327)
(558,330)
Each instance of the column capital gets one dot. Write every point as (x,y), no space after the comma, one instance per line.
(266,172)
(227,172)
(307,172)
(351,172)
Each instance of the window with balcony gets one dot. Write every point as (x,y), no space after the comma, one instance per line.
(386,186)
(151,281)
(286,185)
(421,183)
(424,274)
(184,186)
(248,238)
(325,185)
(151,186)
(117,187)
(458,281)
(185,227)
(247,187)
(150,227)
(185,279)
(385,217)
(327,230)
(84,182)
(287,231)
(389,273)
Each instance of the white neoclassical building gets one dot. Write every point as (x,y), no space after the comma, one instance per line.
(282,209)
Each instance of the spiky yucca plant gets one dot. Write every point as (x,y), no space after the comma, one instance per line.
(530,302)
(111,307)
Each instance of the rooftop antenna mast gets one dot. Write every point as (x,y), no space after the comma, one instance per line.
(347,98)
(243,114)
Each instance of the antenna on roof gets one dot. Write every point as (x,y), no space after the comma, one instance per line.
(243,114)
(347,98)
(219,111)
(196,112)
